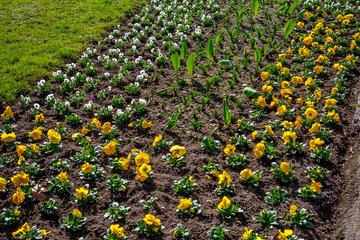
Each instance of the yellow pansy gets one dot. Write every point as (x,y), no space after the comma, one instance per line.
(184,204)
(261,101)
(310,113)
(81,193)
(20,178)
(316,186)
(7,113)
(86,168)
(36,133)
(259,149)
(225,203)
(289,136)
(77,213)
(142,172)
(8,137)
(146,124)
(246,173)
(63,177)
(2,183)
(315,142)
(106,128)
(110,148)
(157,140)
(54,136)
(285,167)
(125,162)
(177,151)
(284,235)
(315,127)
(141,158)
(293,210)
(21,231)
(150,219)
(18,197)
(224,178)
(264,75)
(282,110)
(230,149)
(117,230)
(20,150)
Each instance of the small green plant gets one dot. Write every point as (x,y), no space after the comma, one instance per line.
(132,88)
(227,209)
(181,233)
(91,172)
(49,207)
(317,173)
(73,119)
(59,184)
(311,190)
(148,204)
(115,212)
(190,64)
(283,172)
(175,60)
(217,233)
(84,196)
(299,217)
(188,207)
(267,218)
(74,221)
(150,226)
(275,196)
(249,178)
(236,161)
(210,145)
(9,217)
(117,184)
(185,186)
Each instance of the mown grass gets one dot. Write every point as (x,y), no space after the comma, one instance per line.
(39,36)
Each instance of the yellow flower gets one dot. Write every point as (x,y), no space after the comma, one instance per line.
(267,88)
(314,127)
(110,148)
(177,151)
(352,44)
(106,128)
(20,150)
(141,158)
(259,149)
(45,233)
(54,136)
(284,235)
(261,101)
(7,113)
(17,212)
(282,110)
(246,173)
(307,40)
(304,51)
(146,124)
(339,17)
(84,131)
(81,193)
(247,234)
(334,115)
(293,210)
(184,204)
(345,21)
(331,102)
(35,147)
(63,177)
(316,186)
(117,230)
(76,212)
(18,197)
(317,94)
(315,142)
(349,16)
(142,172)
(285,167)
(309,82)
(225,203)
(318,69)
(125,162)
(310,113)
(39,118)
(96,123)
(297,80)
(300,24)
(285,70)
(289,136)
(21,231)
(300,101)
(224,178)
(298,122)
(86,168)
(21,160)
(339,67)
(150,219)
(264,75)
(2,183)
(269,129)
(36,133)
(286,92)
(8,137)
(287,124)
(279,65)
(307,15)
(334,90)
(20,178)
(157,140)
(230,149)
(331,51)
(253,135)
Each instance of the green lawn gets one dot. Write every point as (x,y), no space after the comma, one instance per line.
(39,36)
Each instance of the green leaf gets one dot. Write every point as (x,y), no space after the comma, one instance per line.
(255,7)
(293,7)
(183,50)
(250,92)
(190,64)
(225,63)
(289,27)
(210,49)
(175,59)
(257,55)
(226,111)
(209,83)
